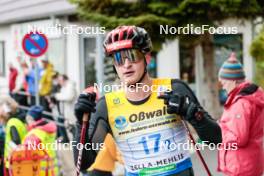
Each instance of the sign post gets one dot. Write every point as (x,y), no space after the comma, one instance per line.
(36,75)
(35,45)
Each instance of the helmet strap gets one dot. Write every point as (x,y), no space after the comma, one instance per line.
(143,76)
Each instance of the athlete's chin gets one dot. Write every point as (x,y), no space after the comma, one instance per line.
(130,80)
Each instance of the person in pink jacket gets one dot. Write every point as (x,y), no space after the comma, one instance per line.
(242,123)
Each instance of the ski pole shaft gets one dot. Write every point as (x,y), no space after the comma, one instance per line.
(82,140)
(166,96)
(197,151)
(85,119)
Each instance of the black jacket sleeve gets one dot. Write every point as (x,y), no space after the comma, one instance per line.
(14,135)
(207,128)
(95,135)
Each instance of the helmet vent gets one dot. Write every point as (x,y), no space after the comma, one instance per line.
(125,35)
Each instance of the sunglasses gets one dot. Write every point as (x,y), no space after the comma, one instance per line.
(132,55)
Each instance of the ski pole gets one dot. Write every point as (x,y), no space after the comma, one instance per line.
(197,151)
(82,140)
(165,96)
(83,133)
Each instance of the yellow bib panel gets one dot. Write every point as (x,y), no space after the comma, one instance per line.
(22,131)
(146,134)
(47,139)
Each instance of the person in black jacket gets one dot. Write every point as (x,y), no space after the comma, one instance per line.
(139,120)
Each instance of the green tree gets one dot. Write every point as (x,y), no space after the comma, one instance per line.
(257,46)
(257,51)
(150,14)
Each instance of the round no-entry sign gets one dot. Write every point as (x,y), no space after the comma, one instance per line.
(35,44)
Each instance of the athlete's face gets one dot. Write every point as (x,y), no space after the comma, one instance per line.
(130,70)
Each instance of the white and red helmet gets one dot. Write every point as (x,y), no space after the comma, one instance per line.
(127,37)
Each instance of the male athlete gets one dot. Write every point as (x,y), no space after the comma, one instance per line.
(145,127)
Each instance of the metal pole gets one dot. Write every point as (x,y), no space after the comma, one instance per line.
(36,71)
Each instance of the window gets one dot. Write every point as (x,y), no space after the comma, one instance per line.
(89,60)
(187,63)
(224,45)
(2,58)
(56,54)
(109,73)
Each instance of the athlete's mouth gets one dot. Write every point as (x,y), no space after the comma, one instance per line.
(129,73)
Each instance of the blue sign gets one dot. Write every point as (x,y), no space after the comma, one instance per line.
(35,44)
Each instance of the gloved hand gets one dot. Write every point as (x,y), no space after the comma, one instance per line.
(181,105)
(85,104)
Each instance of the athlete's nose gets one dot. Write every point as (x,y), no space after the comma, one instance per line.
(127,63)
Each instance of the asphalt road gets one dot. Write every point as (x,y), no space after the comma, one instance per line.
(210,159)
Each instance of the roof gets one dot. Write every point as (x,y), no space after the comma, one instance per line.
(12,11)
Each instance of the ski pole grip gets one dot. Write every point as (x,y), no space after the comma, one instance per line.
(85,117)
(88,90)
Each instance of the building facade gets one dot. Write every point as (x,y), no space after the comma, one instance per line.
(80,54)
(71,50)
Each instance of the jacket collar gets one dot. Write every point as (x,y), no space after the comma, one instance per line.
(36,124)
(49,127)
(234,94)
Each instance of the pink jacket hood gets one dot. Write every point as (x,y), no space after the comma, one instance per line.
(257,97)
(49,127)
